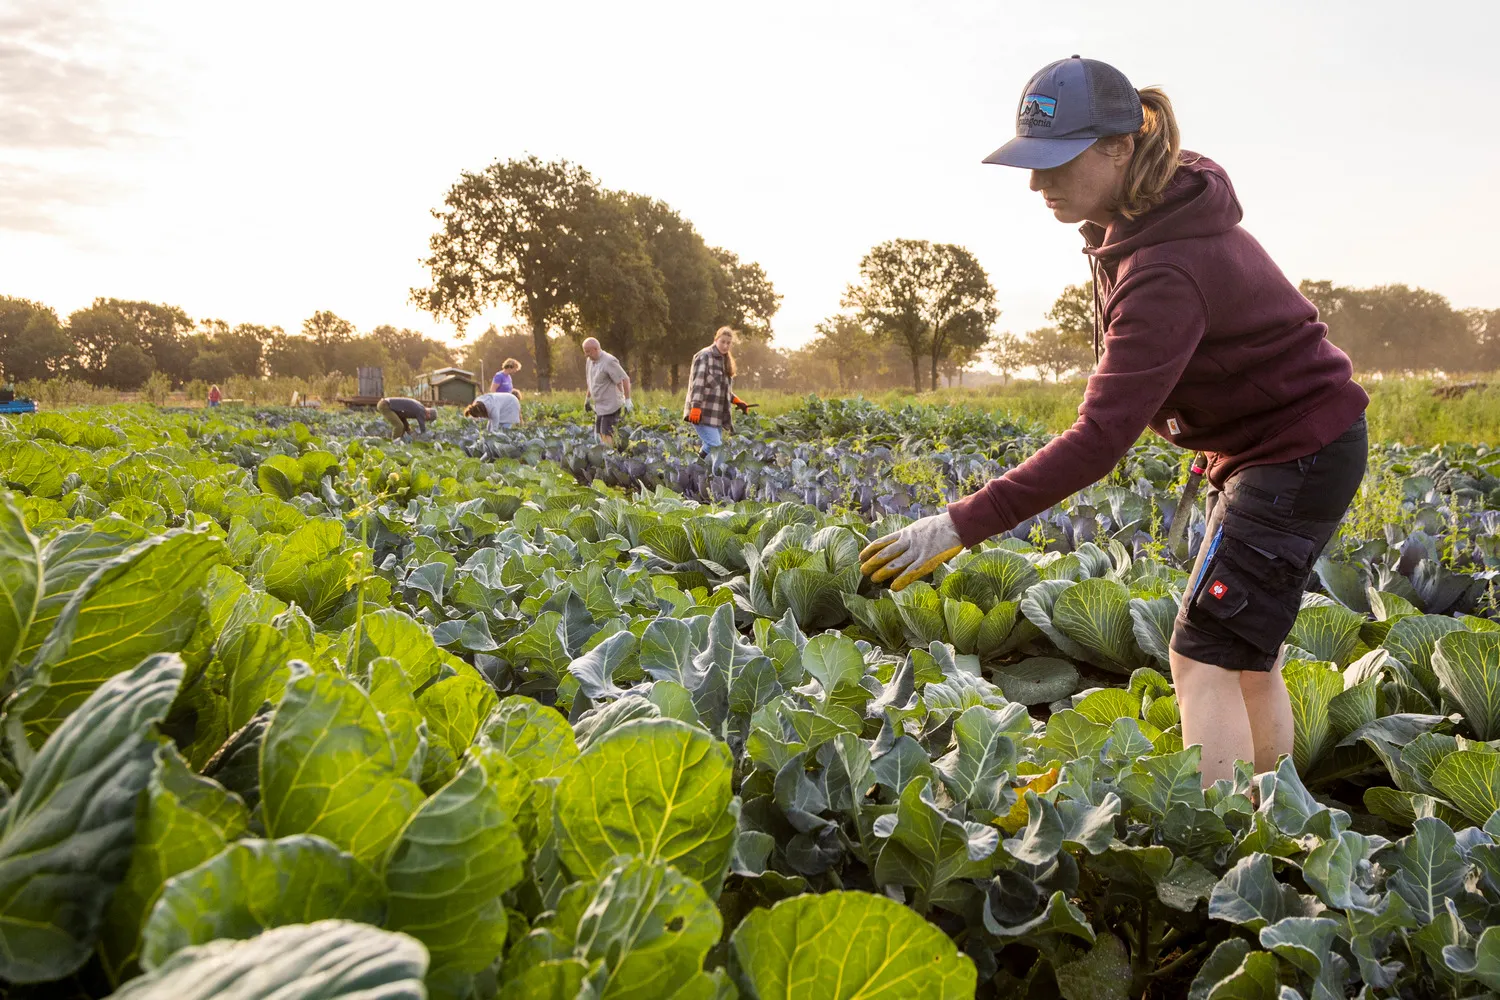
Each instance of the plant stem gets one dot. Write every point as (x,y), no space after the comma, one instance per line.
(1186,956)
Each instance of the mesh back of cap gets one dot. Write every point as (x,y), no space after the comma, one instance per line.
(1116,105)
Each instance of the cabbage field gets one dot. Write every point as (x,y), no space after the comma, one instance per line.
(291,710)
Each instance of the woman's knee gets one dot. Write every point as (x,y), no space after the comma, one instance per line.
(1192,676)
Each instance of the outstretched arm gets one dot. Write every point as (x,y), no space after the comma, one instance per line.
(1143,359)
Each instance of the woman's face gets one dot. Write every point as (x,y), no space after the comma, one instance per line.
(1087,186)
(724,342)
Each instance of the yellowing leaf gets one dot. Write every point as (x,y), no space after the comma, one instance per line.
(1015,820)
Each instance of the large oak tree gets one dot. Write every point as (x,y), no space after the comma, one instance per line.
(931,298)
(515,232)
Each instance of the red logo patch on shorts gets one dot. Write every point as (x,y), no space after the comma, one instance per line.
(1218,589)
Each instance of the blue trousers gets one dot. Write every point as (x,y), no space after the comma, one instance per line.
(713,439)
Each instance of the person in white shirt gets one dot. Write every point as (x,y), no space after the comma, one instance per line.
(501,409)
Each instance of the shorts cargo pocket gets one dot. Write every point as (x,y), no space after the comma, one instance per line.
(1252,584)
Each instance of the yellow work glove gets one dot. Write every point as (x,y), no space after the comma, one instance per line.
(913,552)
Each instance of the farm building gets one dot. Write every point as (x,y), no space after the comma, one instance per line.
(447,387)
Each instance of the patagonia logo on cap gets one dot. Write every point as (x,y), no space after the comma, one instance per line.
(1218,590)
(1173,427)
(1037,110)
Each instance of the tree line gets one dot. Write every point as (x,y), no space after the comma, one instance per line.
(119,344)
(572,257)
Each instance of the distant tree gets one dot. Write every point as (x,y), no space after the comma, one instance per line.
(211,366)
(245,347)
(409,346)
(760,366)
(292,356)
(127,366)
(1056,352)
(330,333)
(160,331)
(514,233)
(620,293)
(846,345)
(961,359)
(1073,313)
(1007,355)
(1484,334)
(435,360)
(1394,328)
(930,298)
(240,349)
(746,298)
(33,344)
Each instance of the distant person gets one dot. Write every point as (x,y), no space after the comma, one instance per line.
(502,380)
(501,409)
(606,389)
(398,410)
(215,395)
(710,393)
(1201,337)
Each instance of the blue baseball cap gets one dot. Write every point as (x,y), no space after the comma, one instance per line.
(1066,108)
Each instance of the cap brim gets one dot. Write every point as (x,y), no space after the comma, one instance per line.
(1033,153)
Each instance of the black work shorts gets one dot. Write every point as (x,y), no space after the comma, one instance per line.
(604,423)
(1265,529)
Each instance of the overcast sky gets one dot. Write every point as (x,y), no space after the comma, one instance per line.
(258,162)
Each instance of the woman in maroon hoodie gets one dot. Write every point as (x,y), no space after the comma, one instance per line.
(1200,337)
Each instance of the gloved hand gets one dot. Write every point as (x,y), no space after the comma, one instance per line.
(913,552)
(744,407)
(588,406)
(694,415)
(629,403)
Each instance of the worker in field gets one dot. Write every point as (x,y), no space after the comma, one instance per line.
(1199,336)
(215,395)
(509,368)
(499,409)
(606,389)
(399,410)
(710,393)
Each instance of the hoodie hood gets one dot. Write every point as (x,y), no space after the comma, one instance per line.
(1199,201)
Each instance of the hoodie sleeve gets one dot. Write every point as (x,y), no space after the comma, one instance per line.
(1156,319)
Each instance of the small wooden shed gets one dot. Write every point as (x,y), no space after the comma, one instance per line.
(447,387)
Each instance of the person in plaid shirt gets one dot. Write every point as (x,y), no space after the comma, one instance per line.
(710,393)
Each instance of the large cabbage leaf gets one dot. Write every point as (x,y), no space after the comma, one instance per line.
(451,865)
(253,885)
(846,945)
(658,788)
(326,960)
(66,835)
(328,766)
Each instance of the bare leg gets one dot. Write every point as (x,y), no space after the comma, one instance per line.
(1270,710)
(1213,712)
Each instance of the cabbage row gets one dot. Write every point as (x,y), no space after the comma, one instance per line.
(289,710)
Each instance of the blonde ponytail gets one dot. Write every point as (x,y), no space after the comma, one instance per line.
(1158,151)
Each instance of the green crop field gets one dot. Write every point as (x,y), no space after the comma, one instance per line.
(290,707)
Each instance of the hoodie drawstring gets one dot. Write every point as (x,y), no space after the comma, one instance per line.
(1098,322)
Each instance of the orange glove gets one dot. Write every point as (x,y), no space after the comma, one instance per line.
(744,406)
(695,414)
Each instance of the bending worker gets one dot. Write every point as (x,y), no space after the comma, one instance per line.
(1201,337)
(397,410)
(501,409)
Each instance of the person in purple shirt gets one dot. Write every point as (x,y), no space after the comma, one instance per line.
(1200,337)
(502,380)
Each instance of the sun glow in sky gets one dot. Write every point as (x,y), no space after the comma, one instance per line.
(258,162)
